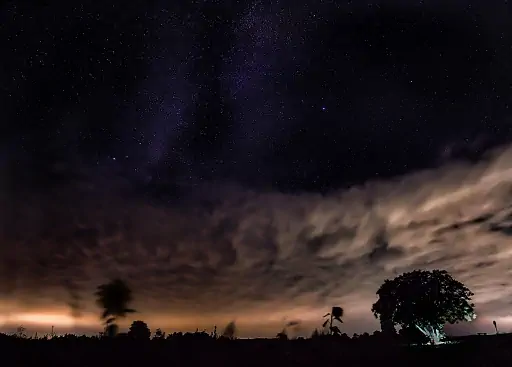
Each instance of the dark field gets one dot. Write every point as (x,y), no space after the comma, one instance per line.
(203,351)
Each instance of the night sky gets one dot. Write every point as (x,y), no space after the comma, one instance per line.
(256,161)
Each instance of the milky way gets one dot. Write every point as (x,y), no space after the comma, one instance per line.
(183,147)
(259,258)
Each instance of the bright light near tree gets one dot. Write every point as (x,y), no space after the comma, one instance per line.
(471,317)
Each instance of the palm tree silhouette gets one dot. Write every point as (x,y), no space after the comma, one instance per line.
(114,297)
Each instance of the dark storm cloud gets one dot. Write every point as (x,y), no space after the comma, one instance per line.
(256,253)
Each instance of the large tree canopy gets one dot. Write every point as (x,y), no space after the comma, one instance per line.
(423,299)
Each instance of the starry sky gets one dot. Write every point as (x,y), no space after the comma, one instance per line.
(255,161)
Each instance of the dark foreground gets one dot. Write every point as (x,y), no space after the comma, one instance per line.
(81,351)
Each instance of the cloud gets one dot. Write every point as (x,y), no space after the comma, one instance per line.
(226,252)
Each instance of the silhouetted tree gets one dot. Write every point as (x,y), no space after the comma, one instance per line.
(114,297)
(229,330)
(282,335)
(21,332)
(335,314)
(139,330)
(175,335)
(426,300)
(159,334)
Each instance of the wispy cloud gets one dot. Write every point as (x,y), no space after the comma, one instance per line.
(259,258)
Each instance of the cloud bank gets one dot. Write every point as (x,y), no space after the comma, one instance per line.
(259,258)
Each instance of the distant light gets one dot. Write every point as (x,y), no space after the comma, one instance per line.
(44,319)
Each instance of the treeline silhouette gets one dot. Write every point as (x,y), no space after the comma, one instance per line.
(202,348)
(420,303)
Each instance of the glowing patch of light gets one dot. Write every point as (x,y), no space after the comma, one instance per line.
(47,319)
(3,320)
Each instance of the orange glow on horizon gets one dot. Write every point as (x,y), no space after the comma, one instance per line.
(266,321)
(42,318)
